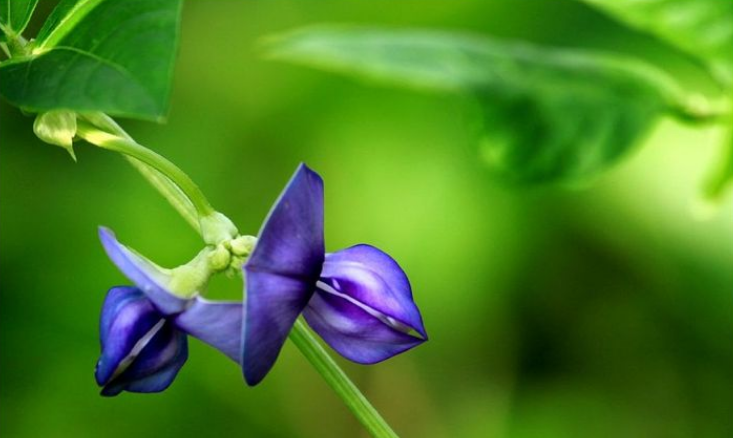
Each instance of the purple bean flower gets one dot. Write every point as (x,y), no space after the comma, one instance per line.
(144,329)
(358,299)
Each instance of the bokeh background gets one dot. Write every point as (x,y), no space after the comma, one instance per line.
(604,311)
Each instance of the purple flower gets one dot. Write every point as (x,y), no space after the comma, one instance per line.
(358,299)
(143,329)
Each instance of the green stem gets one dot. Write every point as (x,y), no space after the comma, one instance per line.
(339,382)
(129,147)
(170,191)
(17,45)
(5,49)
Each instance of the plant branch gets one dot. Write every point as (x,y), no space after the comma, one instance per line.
(128,147)
(302,337)
(170,191)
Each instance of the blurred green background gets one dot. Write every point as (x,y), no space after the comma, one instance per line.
(605,311)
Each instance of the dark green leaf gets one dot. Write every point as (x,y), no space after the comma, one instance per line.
(14,16)
(551,115)
(114,56)
(702,28)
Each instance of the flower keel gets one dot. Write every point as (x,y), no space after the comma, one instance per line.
(141,351)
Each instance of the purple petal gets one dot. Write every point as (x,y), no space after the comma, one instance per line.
(353,332)
(282,271)
(155,366)
(218,324)
(127,315)
(146,276)
(372,278)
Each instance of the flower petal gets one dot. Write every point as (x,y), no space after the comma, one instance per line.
(353,332)
(155,366)
(145,274)
(282,271)
(127,315)
(371,277)
(218,324)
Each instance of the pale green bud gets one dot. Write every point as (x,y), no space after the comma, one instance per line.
(57,128)
(217,228)
(219,258)
(243,245)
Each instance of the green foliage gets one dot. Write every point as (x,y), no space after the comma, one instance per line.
(721,178)
(702,28)
(114,56)
(14,16)
(550,114)
(602,312)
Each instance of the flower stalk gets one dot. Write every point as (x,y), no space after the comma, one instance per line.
(126,146)
(334,376)
(170,191)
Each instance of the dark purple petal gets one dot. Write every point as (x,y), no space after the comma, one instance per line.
(353,332)
(371,277)
(218,324)
(156,364)
(282,271)
(146,276)
(127,315)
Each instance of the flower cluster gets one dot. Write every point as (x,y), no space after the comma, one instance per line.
(357,299)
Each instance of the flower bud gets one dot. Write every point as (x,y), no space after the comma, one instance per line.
(243,245)
(57,128)
(219,258)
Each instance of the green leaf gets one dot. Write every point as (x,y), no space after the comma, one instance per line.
(702,28)
(550,114)
(114,56)
(14,16)
(57,128)
(720,179)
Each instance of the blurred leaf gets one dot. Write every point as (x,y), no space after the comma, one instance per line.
(14,15)
(702,28)
(114,56)
(551,114)
(721,179)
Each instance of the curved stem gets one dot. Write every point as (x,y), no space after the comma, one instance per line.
(170,191)
(340,382)
(128,147)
